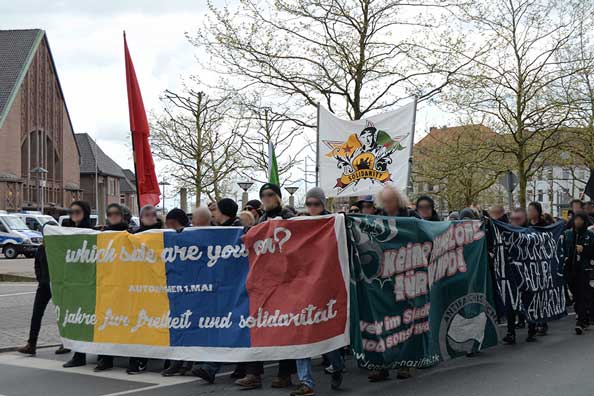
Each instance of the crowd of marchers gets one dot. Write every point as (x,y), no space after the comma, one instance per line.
(578,245)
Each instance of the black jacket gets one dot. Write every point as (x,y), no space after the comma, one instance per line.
(281,212)
(116,227)
(157,226)
(233,222)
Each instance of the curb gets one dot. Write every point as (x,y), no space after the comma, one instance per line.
(14,348)
(16,278)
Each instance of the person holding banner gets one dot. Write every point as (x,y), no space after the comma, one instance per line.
(394,203)
(315,203)
(425,207)
(578,245)
(149,220)
(80,217)
(536,219)
(118,219)
(225,214)
(271,197)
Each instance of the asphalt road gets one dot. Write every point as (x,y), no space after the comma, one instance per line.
(558,364)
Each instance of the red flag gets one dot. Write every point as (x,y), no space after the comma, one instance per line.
(147,186)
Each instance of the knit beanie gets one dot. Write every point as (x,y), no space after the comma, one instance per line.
(270,186)
(228,207)
(316,193)
(179,215)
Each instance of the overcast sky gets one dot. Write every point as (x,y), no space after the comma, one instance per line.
(86,41)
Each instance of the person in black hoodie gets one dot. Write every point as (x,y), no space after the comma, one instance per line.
(426,208)
(149,220)
(80,217)
(271,197)
(578,246)
(80,214)
(118,219)
(225,215)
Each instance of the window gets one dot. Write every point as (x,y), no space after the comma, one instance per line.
(529,194)
(122,199)
(566,174)
(540,196)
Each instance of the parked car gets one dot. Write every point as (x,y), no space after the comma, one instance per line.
(16,238)
(36,220)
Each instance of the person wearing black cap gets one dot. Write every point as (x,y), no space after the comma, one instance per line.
(272,203)
(176,219)
(366,205)
(254,206)
(578,246)
(225,213)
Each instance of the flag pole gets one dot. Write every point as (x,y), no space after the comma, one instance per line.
(317,148)
(132,136)
(409,186)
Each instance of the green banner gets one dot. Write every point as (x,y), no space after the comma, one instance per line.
(421,291)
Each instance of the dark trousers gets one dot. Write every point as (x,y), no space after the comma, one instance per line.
(582,295)
(511,323)
(43,296)
(285,368)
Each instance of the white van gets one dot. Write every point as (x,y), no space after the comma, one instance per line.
(36,220)
(16,238)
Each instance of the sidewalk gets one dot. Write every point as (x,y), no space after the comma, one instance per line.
(20,269)
(16,305)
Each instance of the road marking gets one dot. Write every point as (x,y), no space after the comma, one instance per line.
(16,294)
(18,360)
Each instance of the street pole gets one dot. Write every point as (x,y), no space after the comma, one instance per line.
(245,186)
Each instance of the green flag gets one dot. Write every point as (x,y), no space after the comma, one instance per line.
(272,167)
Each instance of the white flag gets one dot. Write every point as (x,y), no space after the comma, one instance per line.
(359,157)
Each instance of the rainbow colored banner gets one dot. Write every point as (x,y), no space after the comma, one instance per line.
(209,294)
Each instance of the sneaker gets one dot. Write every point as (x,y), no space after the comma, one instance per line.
(62,351)
(579,330)
(336,379)
(531,338)
(541,331)
(250,381)
(78,360)
(521,325)
(303,390)
(509,339)
(330,370)
(175,368)
(28,349)
(203,373)
(405,373)
(378,375)
(137,367)
(281,382)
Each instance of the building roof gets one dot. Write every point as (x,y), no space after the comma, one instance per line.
(88,150)
(445,134)
(17,48)
(127,185)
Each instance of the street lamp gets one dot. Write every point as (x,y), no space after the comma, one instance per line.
(163,184)
(39,172)
(245,186)
(291,191)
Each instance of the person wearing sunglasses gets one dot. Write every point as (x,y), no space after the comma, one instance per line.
(271,197)
(255,208)
(315,204)
(354,209)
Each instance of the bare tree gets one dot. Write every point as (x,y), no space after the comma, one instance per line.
(355,57)
(513,85)
(199,137)
(268,125)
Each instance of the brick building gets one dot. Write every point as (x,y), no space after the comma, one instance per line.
(35,127)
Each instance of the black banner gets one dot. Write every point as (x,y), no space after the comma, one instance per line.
(529,270)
